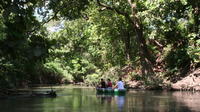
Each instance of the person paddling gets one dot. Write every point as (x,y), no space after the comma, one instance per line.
(120,84)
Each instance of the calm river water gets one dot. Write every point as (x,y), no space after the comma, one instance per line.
(86,100)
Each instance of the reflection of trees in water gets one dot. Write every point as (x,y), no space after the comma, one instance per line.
(76,99)
(139,101)
(189,100)
(21,104)
(113,101)
(147,101)
(84,100)
(134,101)
(155,101)
(105,99)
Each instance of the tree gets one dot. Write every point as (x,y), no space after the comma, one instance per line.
(131,14)
(21,47)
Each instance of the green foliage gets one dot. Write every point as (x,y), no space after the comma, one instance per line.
(111,31)
(70,49)
(178,64)
(153,82)
(113,73)
(20,47)
(194,50)
(68,9)
(92,79)
(89,45)
(172,25)
(2,29)
(95,42)
(135,76)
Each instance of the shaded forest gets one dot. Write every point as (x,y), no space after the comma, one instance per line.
(145,40)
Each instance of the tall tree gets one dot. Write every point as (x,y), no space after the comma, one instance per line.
(130,11)
(22,46)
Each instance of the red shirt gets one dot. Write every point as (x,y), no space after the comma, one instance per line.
(109,84)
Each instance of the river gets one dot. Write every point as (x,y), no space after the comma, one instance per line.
(73,99)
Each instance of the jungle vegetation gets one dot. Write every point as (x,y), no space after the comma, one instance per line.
(149,40)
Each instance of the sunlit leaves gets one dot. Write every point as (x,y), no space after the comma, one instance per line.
(69,9)
(2,29)
(194,47)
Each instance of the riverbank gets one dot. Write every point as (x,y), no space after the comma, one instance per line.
(189,83)
(37,91)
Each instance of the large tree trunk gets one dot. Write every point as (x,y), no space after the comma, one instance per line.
(146,59)
(127,42)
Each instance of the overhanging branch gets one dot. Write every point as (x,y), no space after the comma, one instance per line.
(126,15)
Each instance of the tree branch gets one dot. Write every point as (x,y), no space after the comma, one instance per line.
(126,15)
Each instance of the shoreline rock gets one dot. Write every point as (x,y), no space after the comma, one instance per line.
(190,82)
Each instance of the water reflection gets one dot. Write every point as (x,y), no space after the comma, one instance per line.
(120,100)
(86,100)
(191,100)
(104,99)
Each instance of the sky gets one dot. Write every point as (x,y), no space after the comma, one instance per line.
(52,26)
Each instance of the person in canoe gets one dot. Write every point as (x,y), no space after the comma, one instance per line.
(102,84)
(109,84)
(120,84)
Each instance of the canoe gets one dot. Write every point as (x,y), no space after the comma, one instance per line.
(111,91)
